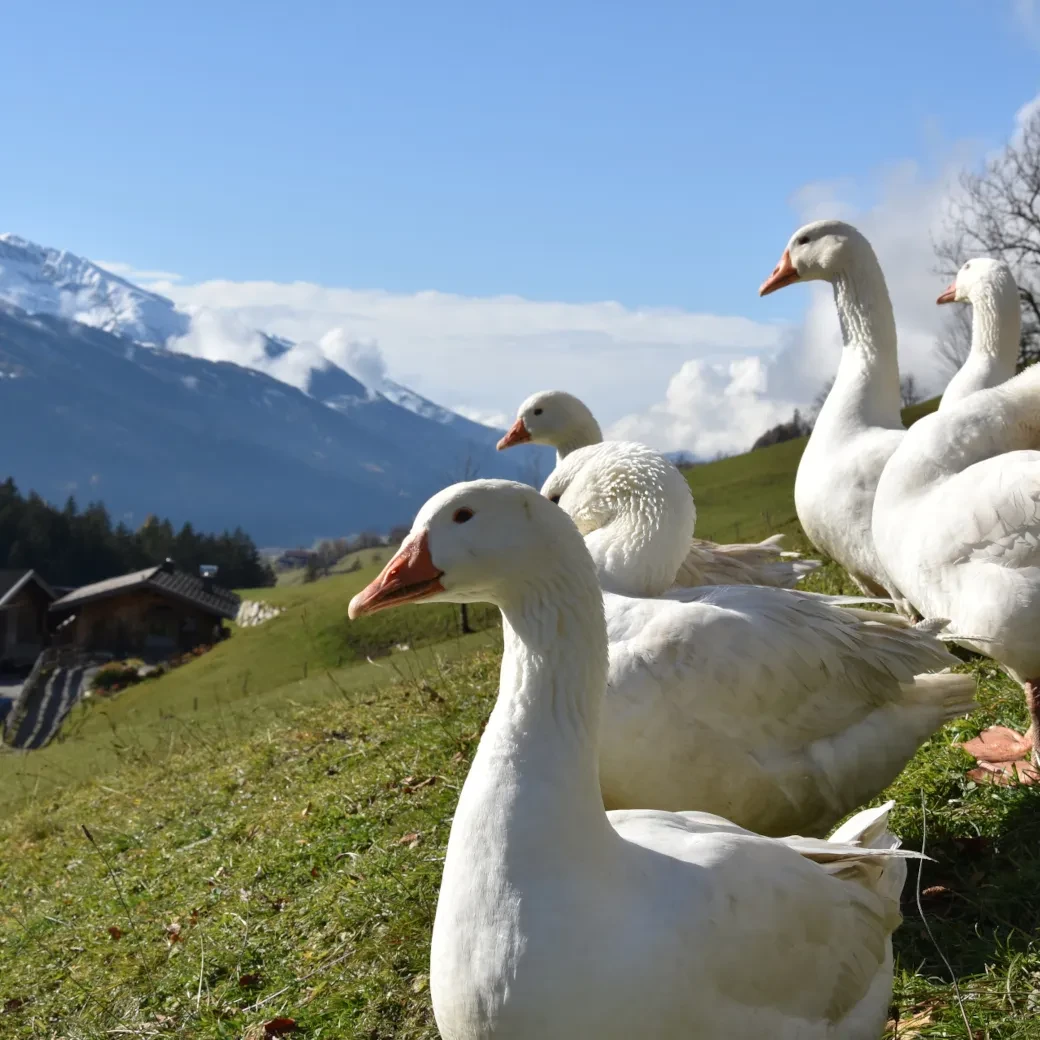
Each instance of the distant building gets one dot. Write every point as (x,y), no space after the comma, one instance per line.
(24,599)
(151,613)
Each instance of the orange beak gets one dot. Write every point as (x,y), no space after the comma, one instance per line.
(949,294)
(783,274)
(516,434)
(409,576)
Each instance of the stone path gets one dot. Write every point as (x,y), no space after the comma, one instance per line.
(47,696)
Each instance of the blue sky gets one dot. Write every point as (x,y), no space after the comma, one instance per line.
(570,151)
(654,154)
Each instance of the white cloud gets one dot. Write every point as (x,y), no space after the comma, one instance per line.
(725,379)
(480,356)
(1030,108)
(708,408)
(675,379)
(362,359)
(295,365)
(218,335)
(496,420)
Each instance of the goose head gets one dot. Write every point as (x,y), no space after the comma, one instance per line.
(634,509)
(479,541)
(820,251)
(555,418)
(978,278)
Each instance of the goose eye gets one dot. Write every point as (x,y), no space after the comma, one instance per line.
(555,499)
(802,240)
(538,411)
(462,515)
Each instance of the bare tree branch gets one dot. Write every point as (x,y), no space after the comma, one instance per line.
(954,343)
(996,212)
(818,401)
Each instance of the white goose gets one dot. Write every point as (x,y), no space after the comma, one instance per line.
(560,922)
(957,524)
(859,425)
(774,708)
(561,421)
(989,286)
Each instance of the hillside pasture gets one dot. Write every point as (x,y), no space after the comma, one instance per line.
(375,556)
(241,684)
(251,845)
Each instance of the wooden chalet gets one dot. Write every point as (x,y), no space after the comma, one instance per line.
(24,600)
(153,613)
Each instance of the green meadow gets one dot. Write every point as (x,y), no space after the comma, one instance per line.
(250,845)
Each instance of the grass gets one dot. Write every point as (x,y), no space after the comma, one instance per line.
(747,497)
(376,556)
(980,895)
(241,685)
(291,874)
(275,852)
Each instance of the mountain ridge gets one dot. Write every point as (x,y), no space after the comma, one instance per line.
(148,429)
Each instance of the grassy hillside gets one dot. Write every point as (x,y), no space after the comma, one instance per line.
(241,685)
(378,556)
(236,844)
(294,875)
(747,497)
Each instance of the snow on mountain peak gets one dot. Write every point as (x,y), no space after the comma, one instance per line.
(339,370)
(40,280)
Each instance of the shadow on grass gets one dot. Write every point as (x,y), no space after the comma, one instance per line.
(981,896)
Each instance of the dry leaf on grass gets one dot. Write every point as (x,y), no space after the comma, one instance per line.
(910,1025)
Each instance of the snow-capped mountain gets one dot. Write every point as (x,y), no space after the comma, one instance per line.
(40,280)
(117,416)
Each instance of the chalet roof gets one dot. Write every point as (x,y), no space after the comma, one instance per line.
(164,579)
(12,582)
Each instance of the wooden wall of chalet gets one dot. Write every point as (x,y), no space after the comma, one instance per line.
(141,621)
(23,625)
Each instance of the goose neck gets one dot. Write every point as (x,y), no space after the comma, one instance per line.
(868,324)
(996,326)
(542,740)
(578,436)
(868,375)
